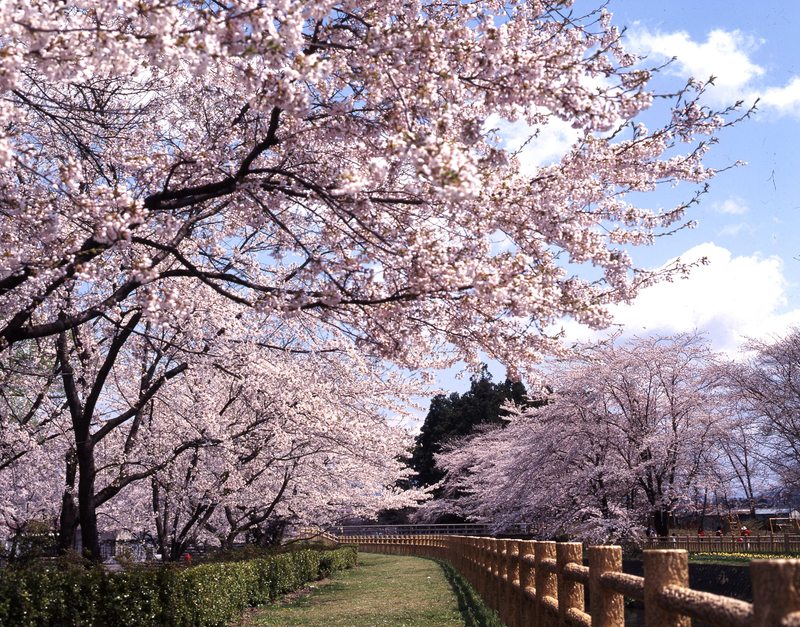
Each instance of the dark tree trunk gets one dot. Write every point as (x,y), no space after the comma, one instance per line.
(702,522)
(68,519)
(90,537)
(661,522)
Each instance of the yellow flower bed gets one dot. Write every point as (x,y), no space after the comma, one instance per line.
(743,556)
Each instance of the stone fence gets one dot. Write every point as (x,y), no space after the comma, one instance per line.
(546,584)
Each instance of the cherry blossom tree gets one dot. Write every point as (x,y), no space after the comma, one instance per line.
(332,160)
(224,417)
(301,438)
(741,442)
(625,438)
(31,402)
(766,390)
(32,487)
(186,182)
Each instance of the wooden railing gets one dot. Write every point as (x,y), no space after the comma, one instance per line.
(776,543)
(544,584)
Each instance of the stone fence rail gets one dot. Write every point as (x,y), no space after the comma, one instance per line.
(545,584)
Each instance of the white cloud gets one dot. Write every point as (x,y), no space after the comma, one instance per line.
(731,298)
(734,206)
(785,99)
(732,230)
(539,145)
(726,55)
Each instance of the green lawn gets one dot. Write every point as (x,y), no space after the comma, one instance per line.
(384,590)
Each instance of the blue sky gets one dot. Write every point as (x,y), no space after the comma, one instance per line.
(749,222)
(750,219)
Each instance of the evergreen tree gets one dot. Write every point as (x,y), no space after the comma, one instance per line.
(456,415)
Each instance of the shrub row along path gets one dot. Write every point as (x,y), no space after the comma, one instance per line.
(383,590)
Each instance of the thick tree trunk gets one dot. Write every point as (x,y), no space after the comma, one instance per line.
(661,522)
(90,537)
(68,519)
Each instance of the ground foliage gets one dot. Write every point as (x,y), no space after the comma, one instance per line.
(58,593)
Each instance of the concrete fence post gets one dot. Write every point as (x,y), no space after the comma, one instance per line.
(502,579)
(776,590)
(607,607)
(527,609)
(570,593)
(485,568)
(514,598)
(664,567)
(546,585)
(494,570)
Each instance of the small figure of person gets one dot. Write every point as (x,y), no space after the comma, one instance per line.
(701,533)
(745,536)
(187,557)
(718,532)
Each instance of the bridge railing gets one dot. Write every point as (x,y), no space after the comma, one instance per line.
(544,584)
(434,529)
(783,543)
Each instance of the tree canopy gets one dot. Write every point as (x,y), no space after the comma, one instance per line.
(220,220)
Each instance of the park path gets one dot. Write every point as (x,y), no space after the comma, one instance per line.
(384,590)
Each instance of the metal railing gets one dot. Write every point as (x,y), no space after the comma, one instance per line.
(544,583)
(773,543)
(434,529)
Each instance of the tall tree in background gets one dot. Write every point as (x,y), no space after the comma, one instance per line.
(457,415)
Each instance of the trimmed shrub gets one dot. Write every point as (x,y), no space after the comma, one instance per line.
(59,593)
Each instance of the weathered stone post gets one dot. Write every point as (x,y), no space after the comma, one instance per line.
(570,593)
(546,586)
(776,591)
(494,571)
(664,567)
(607,607)
(514,596)
(527,608)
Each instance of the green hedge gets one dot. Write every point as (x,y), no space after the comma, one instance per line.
(207,594)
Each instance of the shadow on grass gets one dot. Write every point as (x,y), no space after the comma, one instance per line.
(473,610)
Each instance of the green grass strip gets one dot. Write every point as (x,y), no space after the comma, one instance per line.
(386,590)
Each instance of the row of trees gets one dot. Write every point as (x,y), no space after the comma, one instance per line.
(632,432)
(216,219)
(188,430)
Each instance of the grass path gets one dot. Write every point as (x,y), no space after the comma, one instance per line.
(384,590)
